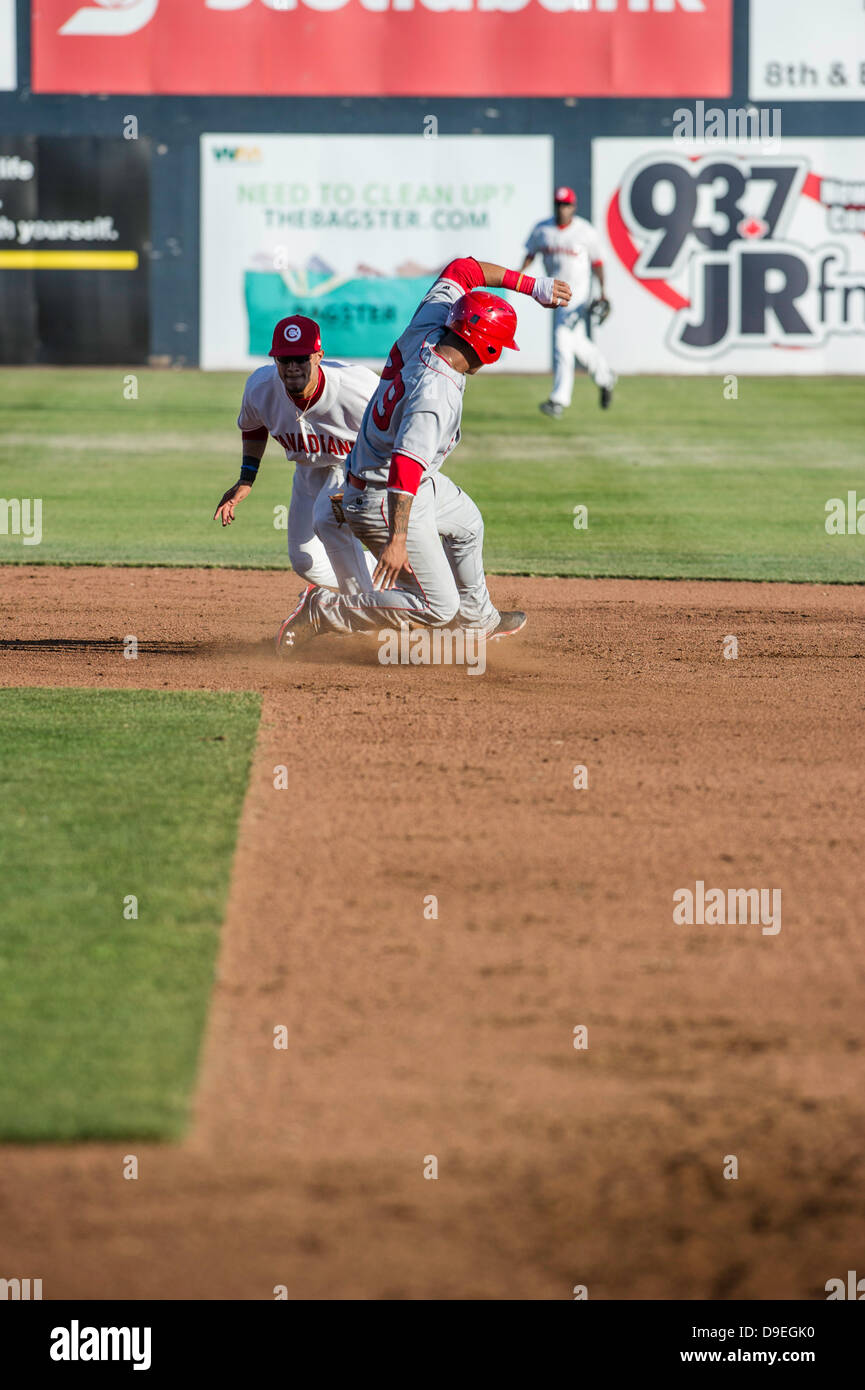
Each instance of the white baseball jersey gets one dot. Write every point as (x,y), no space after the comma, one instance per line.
(322,433)
(419,402)
(568,254)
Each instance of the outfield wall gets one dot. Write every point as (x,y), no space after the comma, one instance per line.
(174,125)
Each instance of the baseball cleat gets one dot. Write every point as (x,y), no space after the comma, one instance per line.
(297,627)
(507,625)
(551,408)
(606,397)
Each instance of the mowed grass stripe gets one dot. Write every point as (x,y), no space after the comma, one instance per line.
(679,481)
(107,794)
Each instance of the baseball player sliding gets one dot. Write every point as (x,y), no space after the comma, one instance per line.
(313,406)
(426,532)
(570,247)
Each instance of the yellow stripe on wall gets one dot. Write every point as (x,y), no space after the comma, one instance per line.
(68,260)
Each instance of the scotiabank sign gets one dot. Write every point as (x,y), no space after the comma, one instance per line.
(675,48)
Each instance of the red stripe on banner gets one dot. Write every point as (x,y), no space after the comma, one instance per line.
(811,187)
(628,254)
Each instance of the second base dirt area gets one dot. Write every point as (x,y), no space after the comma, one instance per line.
(412,1036)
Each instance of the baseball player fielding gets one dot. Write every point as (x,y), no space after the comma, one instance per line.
(313,407)
(571,249)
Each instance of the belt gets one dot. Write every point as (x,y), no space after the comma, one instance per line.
(361,484)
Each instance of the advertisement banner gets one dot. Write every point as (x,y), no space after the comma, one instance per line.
(8,47)
(351,231)
(461,48)
(74,233)
(727,257)
(802,51)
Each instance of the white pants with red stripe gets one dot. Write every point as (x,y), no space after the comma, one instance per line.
(445,550)
(571,343)
(321,551)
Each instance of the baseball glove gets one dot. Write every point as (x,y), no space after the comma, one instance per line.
(599,310)
(336,507)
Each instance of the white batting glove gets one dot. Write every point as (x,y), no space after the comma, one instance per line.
(544,291)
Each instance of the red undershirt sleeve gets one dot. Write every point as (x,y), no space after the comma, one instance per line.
(464,271)
(260,433)
(405,474)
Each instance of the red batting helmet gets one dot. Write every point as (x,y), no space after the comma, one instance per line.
(484,321)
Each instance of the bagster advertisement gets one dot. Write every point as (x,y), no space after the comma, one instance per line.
(724,258)
(296,48)
(352,230)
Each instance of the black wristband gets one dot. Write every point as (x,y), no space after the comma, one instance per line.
(249,468)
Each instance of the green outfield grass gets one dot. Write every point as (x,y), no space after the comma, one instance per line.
(107,794)
(678,481)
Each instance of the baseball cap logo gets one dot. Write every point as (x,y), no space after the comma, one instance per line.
(295,336)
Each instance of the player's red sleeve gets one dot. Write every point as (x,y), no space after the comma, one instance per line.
(260,433)
(405,474)
(595,264)
(464,271)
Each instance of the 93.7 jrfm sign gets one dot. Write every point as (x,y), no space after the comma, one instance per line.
(724,255)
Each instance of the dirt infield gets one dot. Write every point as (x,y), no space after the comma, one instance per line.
(453,1037)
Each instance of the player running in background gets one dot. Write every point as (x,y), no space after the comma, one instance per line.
(426,532)
(571,249)
(313,406)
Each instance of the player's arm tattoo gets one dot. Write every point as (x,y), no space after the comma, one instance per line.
(398,509)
